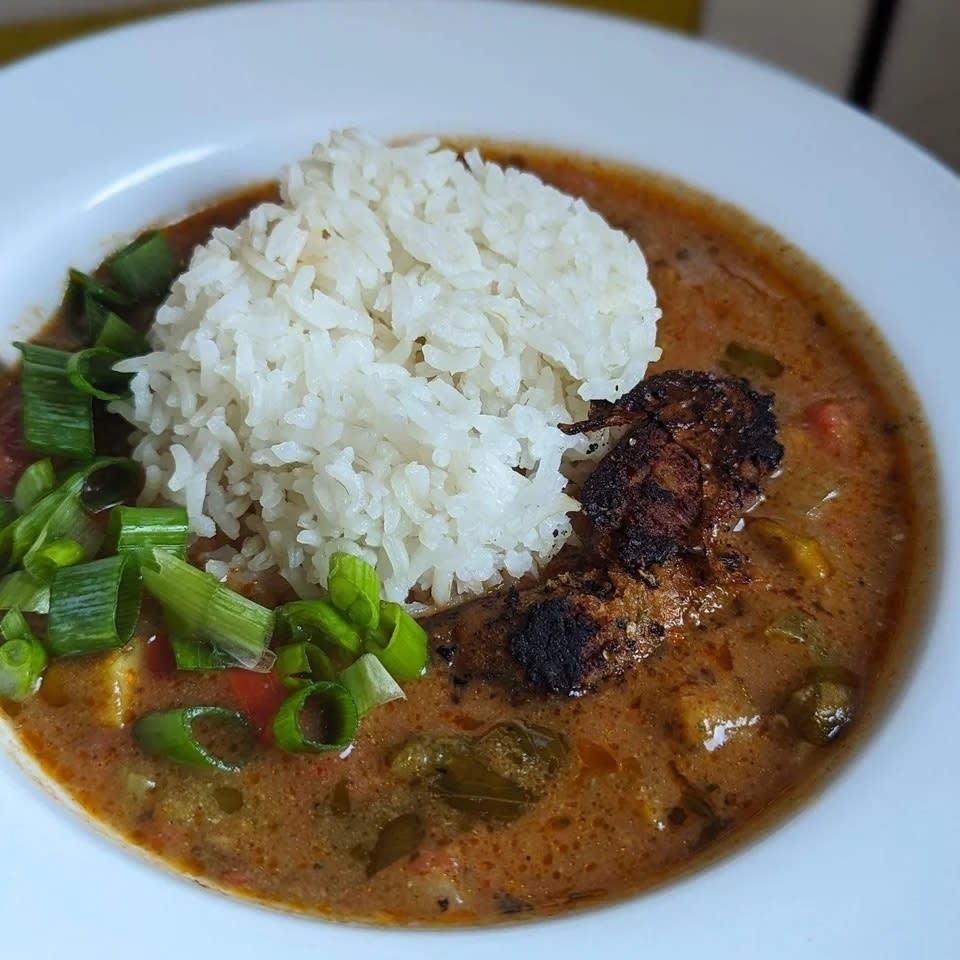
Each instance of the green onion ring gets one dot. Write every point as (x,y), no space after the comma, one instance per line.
(93,606)
(401,645)
(338,715)
(169,734)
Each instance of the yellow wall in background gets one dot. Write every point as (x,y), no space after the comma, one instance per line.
(27,36)
(681,14)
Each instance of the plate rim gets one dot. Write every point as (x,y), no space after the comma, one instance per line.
(121,34)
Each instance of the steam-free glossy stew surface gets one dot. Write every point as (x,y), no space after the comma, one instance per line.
(463,806)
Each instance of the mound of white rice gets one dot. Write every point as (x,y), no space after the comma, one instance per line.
(378,364)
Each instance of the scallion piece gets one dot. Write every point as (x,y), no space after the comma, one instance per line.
(93,606)
(197,655)
(316,718)
(300,663)
(13,626)
(205,610)
(401,643)
(69,521)
(22,658)
(354,590)
(64,512)
(91,372)
(88,302)
(119,336)
(145,268)
(211,737)
(108,483)
(292,660)
(92,316)
(20,591)
(18,537)
(320,622)
(370,684)
(35,483)
(44,563)
(57,419)
(83,283)
(133,529)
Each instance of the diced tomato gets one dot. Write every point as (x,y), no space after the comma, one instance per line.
(830,423)
(159,654)
(258,695)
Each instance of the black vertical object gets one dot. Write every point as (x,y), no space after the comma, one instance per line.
(873,47)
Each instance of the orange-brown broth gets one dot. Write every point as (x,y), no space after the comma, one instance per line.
(618,818)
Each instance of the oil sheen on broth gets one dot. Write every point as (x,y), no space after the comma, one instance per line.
(577,800)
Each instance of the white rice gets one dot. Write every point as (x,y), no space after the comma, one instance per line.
(378,364)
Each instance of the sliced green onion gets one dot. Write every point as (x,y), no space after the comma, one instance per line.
(87,303)
(93,606)
(119,336)
(22,658)
(43,564)
(57,419)
(133,529)
(91,372)
(20,591)
(87,285)
(35,483)
(303,662)
(13,626)
(206,610)
(94,316)
(192,654)
(109,482)
(369,684)
(18,537)
(69,521)
(170,734)
(63,513)
(319,621)
(292,661)
(355,590)
(198,655)
(316,718)
(401,644)
(144,268)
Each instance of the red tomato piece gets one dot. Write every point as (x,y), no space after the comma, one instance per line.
(258,695)
(830,423)
(159,654)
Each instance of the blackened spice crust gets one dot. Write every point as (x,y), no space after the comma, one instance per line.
(553,645)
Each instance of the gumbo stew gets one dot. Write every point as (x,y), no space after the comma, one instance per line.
(666,688)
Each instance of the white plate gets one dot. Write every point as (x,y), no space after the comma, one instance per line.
(103,135)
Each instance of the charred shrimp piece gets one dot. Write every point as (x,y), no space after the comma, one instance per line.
(694,459)
(569,633)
